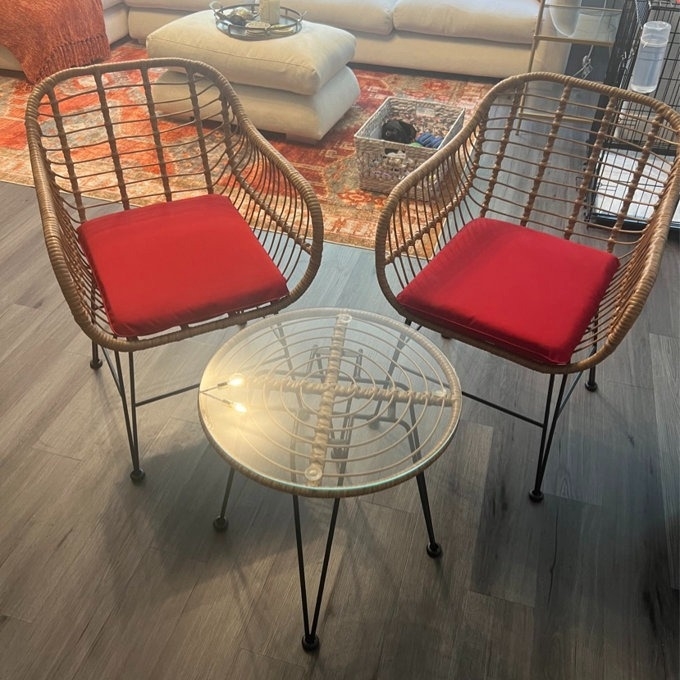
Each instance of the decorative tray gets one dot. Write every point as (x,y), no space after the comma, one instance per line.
(243,22)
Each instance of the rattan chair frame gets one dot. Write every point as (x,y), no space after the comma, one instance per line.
(97,146)
(546,151)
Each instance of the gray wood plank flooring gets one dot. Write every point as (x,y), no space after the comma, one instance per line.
(102,579)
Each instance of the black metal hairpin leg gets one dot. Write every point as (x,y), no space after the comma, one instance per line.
(129,408)
(310,640)
(547,432)
(221,523)
(128,397)
(130,413)
(591,383)
(95,361)
(433,548)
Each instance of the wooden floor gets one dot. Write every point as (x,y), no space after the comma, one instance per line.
(102,579)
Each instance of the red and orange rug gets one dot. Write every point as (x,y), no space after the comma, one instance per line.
(350,213)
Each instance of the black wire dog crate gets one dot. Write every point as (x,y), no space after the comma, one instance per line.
(634,14)
(620,160)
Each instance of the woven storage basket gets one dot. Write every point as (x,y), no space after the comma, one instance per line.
(383,164)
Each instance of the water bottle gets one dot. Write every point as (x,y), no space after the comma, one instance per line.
(650,56)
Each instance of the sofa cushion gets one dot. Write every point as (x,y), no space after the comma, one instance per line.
(368,16)
(181,6)
(300,63)
(364,16)
(506,21)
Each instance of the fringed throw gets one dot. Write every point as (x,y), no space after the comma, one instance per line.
(46,36)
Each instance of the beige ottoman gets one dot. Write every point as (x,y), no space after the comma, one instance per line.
(298,85)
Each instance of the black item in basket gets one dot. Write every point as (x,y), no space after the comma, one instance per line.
(395,130)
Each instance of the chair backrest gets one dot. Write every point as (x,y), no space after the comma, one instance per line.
(117,136)
(134,132)
(574,158)
(546,150)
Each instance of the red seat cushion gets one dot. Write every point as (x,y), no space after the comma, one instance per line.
(527,292)
(178,263)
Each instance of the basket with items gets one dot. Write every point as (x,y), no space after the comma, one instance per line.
(399,136)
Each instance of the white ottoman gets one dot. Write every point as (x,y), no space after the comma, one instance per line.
(299,85)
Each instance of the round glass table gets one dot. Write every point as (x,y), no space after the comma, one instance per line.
(329,403)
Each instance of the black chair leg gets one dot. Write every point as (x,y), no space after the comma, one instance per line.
(130,413)
(550,422)
(95,361)
(547,433)
(591,384)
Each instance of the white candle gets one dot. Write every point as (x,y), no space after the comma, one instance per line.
(269,11)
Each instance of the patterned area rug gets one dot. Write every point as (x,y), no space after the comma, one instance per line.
(350,213)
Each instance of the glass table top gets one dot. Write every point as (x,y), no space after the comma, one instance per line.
(329,402)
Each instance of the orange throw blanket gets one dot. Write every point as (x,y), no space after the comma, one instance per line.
(46,36)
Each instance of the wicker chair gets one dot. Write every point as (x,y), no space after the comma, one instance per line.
(162,228)
(536,233)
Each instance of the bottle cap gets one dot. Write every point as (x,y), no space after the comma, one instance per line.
(655,32)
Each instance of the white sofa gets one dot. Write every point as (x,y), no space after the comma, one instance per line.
(487,38)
